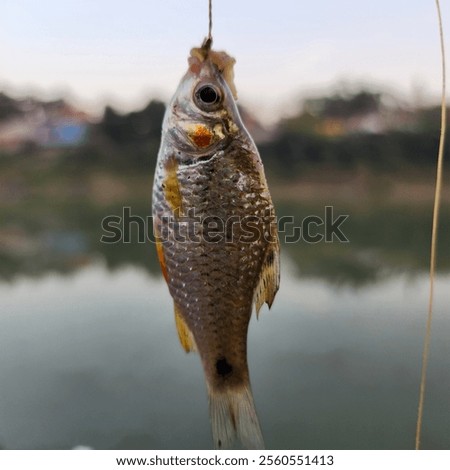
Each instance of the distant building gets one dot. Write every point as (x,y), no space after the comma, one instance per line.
(50,125)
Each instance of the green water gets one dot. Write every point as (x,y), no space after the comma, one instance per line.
(90,356)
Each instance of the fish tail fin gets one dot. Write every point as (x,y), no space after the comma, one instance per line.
(233,416)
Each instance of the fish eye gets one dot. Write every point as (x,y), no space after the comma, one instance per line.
(207,96)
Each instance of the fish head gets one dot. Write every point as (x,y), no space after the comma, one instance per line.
(202,117)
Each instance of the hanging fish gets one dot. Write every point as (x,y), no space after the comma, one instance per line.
(217,242)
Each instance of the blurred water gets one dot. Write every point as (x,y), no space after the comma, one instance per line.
(92,358)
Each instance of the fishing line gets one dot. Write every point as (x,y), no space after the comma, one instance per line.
(437,197)
(207,43)
(210,20)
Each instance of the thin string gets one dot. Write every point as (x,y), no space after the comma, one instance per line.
(210,20)
(207,43)
(437,197)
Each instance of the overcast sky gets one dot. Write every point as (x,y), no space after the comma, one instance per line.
(125,52)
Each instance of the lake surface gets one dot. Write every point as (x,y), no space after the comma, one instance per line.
(91,357)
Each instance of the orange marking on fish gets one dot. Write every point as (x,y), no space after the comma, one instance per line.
(171,185)
(202,136)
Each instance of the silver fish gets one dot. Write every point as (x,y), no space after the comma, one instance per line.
(216,237)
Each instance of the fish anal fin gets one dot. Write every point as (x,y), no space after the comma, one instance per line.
(184,334)
(269,278)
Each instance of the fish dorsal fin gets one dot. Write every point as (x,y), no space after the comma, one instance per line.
(184,333)
(269,278)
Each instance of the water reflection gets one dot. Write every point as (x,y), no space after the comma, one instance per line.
(384,239)
(92,358)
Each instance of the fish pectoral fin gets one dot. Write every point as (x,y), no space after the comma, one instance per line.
(162,261)
(184,333)
(160,249)
(269,278)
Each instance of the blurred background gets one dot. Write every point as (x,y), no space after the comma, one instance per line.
(343,102)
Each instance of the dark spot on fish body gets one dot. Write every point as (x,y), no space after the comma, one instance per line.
(223,368)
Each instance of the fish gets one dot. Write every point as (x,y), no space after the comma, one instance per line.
(216,237)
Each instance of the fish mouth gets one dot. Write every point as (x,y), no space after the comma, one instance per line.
(198,160)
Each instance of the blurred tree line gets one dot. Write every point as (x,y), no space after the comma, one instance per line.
(129,139)
(353,131)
